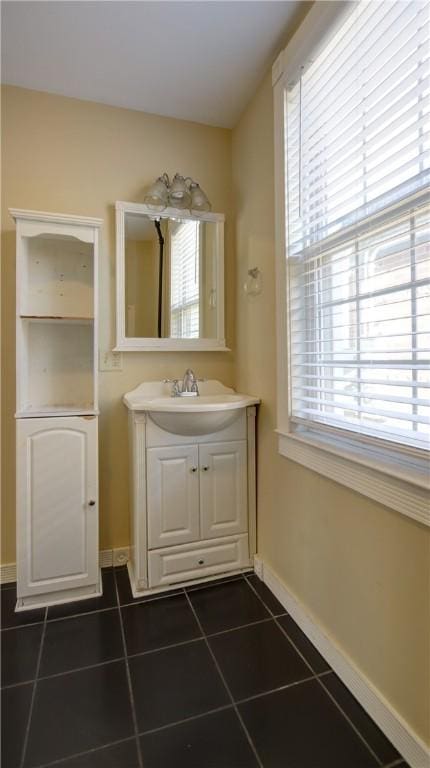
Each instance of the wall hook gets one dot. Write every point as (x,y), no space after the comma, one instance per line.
(254,282)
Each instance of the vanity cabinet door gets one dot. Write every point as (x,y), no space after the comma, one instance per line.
(223,489)
(173,495)
(57,510)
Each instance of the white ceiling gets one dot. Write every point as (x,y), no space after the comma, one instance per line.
(192,60)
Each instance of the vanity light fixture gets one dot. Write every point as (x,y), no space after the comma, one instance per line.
(157,196)
(179,193)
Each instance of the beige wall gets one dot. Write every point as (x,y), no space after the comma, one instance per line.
(141,286)
(69,156)
(360,569)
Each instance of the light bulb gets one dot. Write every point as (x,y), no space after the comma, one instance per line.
(199,201)
(157,195)
(179,194)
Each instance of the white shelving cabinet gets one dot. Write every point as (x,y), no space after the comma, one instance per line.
(56,407)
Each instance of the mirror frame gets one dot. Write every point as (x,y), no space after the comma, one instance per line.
(141,344)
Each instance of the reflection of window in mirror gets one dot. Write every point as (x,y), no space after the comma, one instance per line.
(185,271)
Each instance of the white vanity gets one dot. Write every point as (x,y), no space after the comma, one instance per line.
(192,472)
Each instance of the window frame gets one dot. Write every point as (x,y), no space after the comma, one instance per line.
(396,476)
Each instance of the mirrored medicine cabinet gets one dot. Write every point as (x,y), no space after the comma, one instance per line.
(169,279)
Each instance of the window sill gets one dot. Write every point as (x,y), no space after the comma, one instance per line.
(378,474)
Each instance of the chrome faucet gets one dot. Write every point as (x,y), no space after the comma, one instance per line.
(188,385)
(189,382)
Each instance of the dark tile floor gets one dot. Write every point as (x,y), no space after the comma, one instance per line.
(212,676)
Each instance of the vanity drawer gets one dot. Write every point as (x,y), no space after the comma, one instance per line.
(192,561)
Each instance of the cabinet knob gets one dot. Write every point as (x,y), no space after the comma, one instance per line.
(193,469)
(205,469)
(201,562)
(91,503)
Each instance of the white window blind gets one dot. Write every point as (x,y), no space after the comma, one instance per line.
(184,286)
(358,228)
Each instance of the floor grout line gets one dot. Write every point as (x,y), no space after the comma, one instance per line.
(186,720)
(23,626)
(241,626)
(296,648)
(199,717)
(17,685)
(348,719)
(230,695)
(62,760)
(251,586)
(180,590)
(176,591)
(83,613)
(317,676)
(143,653)
(183,592)
(214,583)
(142,601)
(294,684)
(161,728)
(233,703)
(139,653)
(164,648)
(328,692)
(33,693)
(81,669)
(129,682)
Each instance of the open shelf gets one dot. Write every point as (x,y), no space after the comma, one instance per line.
(57,277)
(57,367)
(58,319)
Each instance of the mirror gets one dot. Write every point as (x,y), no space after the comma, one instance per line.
(170,267)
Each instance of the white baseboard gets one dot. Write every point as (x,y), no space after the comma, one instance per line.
(391,723)
(107,557)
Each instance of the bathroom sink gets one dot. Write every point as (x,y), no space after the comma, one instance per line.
(214,409)
(194,422)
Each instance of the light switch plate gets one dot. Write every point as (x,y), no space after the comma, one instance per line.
(110,361)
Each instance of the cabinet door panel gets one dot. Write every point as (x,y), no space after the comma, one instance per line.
(173,495)
(57,528)
(223,489)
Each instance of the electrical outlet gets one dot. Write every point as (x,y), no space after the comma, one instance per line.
(120,556)
(110,361)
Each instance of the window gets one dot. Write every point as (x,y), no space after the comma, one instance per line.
(356,153)
(184,287)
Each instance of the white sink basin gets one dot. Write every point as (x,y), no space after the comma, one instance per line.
(215,408)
